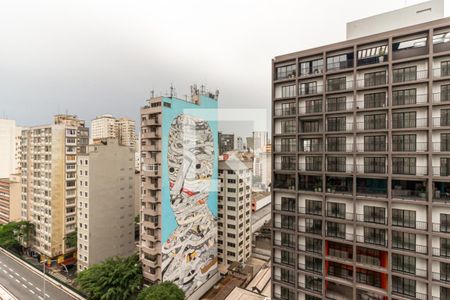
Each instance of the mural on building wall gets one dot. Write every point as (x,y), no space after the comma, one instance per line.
(190,251)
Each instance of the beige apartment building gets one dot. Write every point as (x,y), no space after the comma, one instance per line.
(49,173)
(234,222)
(106,195)
(107,126)
(10,199)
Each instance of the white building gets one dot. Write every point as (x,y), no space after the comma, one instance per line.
(107,126)
(49,174)
(9,148)
(235,177)
(262,168)
(106,197)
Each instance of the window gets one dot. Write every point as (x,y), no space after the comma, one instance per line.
(288,144)
(404,286)
(404,165)
(288,126)
(337,84)
(374,236)
(445,272)
(313,163)
(287,109)
(372,55)
(287,276)
(288,91)
(445,247)
(445,117)
(287,240)
(311,67)
(441,38)
(410,44)
(404,218)
(445,141)
(311,126)
(313,207)
(285,71)
(342,61)
(336,124)
(377,121)
(314,245)
(288,204)
(287,257)
(313,226)
(336,164)
(373,214)
(404,120)
(375,143)
(313,264)
(336,230)
(336,103)
(288,222)
(375,165)
(336,144)
(308,88)
(445,92)
(404,97)
(313,106)
(374,100)
(445,223)
(445,68)
(312,283)
(403,240)
(375,78)
(405,142)
(405,74)
(336,210)
(310,145)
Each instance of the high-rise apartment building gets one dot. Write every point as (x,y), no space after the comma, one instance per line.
(262,166)
(260,140)
(179,148)
(10,199)
(9,148)
(106,195)
(107,126)
(49,174)
(235,183)
(226,142)
(361,166)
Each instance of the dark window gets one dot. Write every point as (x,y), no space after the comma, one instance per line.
(445,68)
(313,245)
(287,294)
(405,74)
(403,240)
(373,214)
(375,78)
(336,124)
(313,207)
(313,264)
(404,286)
(288,145)
(337,84)
(368,277)
(336,144)
(342,61)
(373,100)
(374,236)
(311,126)
(311,67)
(313,106)
(445,92)
(312,283)
(445,223)
(336,230)
(286,72)
(445,247)
(336,164)
(405,142)
(403,97)
(445,117)
(403,263)
(288,162)
(308,88)
(404,218)
(287,240)
(287,257)
(375,143)
(374,165)
(288,126)
(313,163)
(288,91)
(445,141)
(336,104)
(445,272)
(288,222)
(310,145)
(404,165)
(288,204)
(336,210)
(313,226)
(377,121)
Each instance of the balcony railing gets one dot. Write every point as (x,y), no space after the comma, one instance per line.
(340,254)
(282,225)
(311,230)
(339,147)
(343,106)
(371,147)
(311,148)
(340,127)
(416,271)
(345,64)
(372,240)
(441,147)
(312,187)
(310,211)
(311,167)
(288,261)
(423,249)
(371,219)
(441,122)
(291,111)
(409,76)
(340,86)
(419,225)
(441,72)
(302,266)
(310,109)
(418,123)
(417,296)
(284,208)
(286,279)
(417,171)
(410,100)
(409,194)
(371,169)
(438,227)
(441,171)
(372,82)
(443,277)
(312,90)
(339,215)
(368,260)
(380,125)
(410,147)
(340,235)
(285,166)
(340,168)
(372,103)
(314,249)
(441,252)
(285,243)
(285,148)
(441,97)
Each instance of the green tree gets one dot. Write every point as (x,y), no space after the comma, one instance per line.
(162,291)
(118,278)
(71,239)
(15,235)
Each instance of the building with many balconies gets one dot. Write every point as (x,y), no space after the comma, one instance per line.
(361,167)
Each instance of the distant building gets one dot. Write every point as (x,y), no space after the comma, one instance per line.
(235,177)
(179,148)
(239,144)
(106,196)
(226,142)
(9,148)
(10,205)
(107,126)
(49,183)
(262,168)
(250,143)
(260,140)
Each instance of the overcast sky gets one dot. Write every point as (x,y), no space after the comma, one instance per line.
(104,57)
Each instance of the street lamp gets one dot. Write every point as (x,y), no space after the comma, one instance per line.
(43,270)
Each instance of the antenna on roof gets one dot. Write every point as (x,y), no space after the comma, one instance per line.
(152,94)
(171,90)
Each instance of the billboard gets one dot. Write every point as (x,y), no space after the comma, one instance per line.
(189,192)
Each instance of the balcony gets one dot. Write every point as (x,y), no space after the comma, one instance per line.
(441,171)
(288,261)
(284,225)
(441,227)
(285,166)
(339,235)
(416,296)
(282,112)
(308,109)
(339,168)
(443,121)
(441,97)
(409,170)
(289,279)
(310,147)
(310,183)
(371,147)
(403,99)
(310,90)
(340,270)
(285,243)
(372,82)
(441,73)
(339,147)
(410,247)
(153,121)
(285,208)
(334,86)
(340,127)
(441,192)
(337,214)
(365,256)
(152,134)
(310,268)
(410,271)
(339,65)
(409,147)
(408,76)
(288,147)
(419,225)
(441,252)
(378,240)
(409,190)
(284,181)
(333,106)
(310,167)
(371,169)
(371,218)
(442,277)
(339,185)
(372,125)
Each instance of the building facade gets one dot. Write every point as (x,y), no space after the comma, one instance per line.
(9,148)
(235,182)
(361,140)
(10,199)
(49,174)
(106,195)
(226,142)
(179,148)
(107,126)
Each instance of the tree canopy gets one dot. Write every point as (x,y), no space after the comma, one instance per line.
(118,278)
(15,234)
(162,291)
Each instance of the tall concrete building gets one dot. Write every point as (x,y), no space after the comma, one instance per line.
(235,189)
(49,174)
(361,135)
(106,195)
(107,126)
(10,194)
(9,148)
(260,140)
(226,142)
(179,148)
(262,167)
